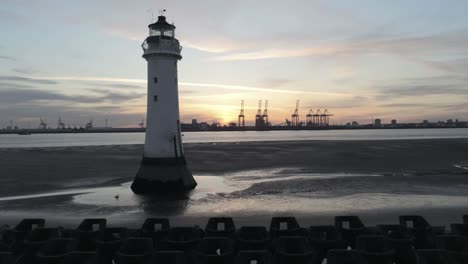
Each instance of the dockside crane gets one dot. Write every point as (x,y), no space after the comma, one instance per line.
(309,118)
(89,125)
(326,118)
(241,117)
(316,117)
(265,114)
(295,116)
(42,124)
(60,124)
(259,111)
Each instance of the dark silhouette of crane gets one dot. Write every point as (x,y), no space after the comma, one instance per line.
(295,116)
(42,124)
(325,118)
(259,122)
(89,125)
(265,114)
(241,118)
(259,111)
(309,118)
(60,124)
(316,117)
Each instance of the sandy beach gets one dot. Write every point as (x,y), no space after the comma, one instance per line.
(30,170)
(249,180)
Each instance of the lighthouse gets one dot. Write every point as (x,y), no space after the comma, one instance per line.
(163,167)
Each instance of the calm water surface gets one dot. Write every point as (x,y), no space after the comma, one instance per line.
(59,140)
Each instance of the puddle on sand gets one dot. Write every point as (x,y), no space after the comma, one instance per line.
(123,195)
(212,197)
(207,186)
(461,166)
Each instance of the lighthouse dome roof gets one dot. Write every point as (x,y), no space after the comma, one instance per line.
(161,24)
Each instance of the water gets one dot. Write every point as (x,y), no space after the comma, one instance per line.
(93,139)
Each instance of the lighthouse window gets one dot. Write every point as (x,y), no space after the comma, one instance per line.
(155,79)
(155,98)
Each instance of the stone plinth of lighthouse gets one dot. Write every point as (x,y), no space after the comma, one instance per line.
(163,167)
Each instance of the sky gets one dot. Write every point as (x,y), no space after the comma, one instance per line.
(363,59)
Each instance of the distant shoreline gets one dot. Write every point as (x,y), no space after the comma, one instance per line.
(225,129)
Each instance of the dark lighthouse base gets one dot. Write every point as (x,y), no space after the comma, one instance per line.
(162,176)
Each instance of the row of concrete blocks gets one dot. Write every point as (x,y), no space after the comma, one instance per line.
(412,241)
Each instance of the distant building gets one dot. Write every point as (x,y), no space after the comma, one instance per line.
(425,122)
(195,123)
(355,123)
(394,122)
(233,124)
(203,125)
(378,122)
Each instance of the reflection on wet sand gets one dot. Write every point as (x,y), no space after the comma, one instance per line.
(274,191)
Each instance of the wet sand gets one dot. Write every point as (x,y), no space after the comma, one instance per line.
(31,170)
(250,181)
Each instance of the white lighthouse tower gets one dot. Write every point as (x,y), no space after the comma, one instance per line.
(163,168)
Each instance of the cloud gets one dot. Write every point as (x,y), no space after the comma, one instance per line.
(26,71)
(3,57)
(116,85)
(276,82)
(441,44)
(405,105)
(411,90)
(278,53)
(353,102)
(9,97)
(117,97)
(26,80)
(187,84)
(6,85)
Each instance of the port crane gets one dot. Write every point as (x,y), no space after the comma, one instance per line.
(259,111)
(89,125)
(309,118)
(60,124)
(241,117)
(295,116)
(317,117)
(265,114)
(326,118)
(42,124)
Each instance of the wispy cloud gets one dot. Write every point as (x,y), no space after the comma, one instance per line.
(26,71)
(3,57)
(399,91)
(9,97)
(187,84)
(27,80)
(115,85)
(278,53)
(441,44)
